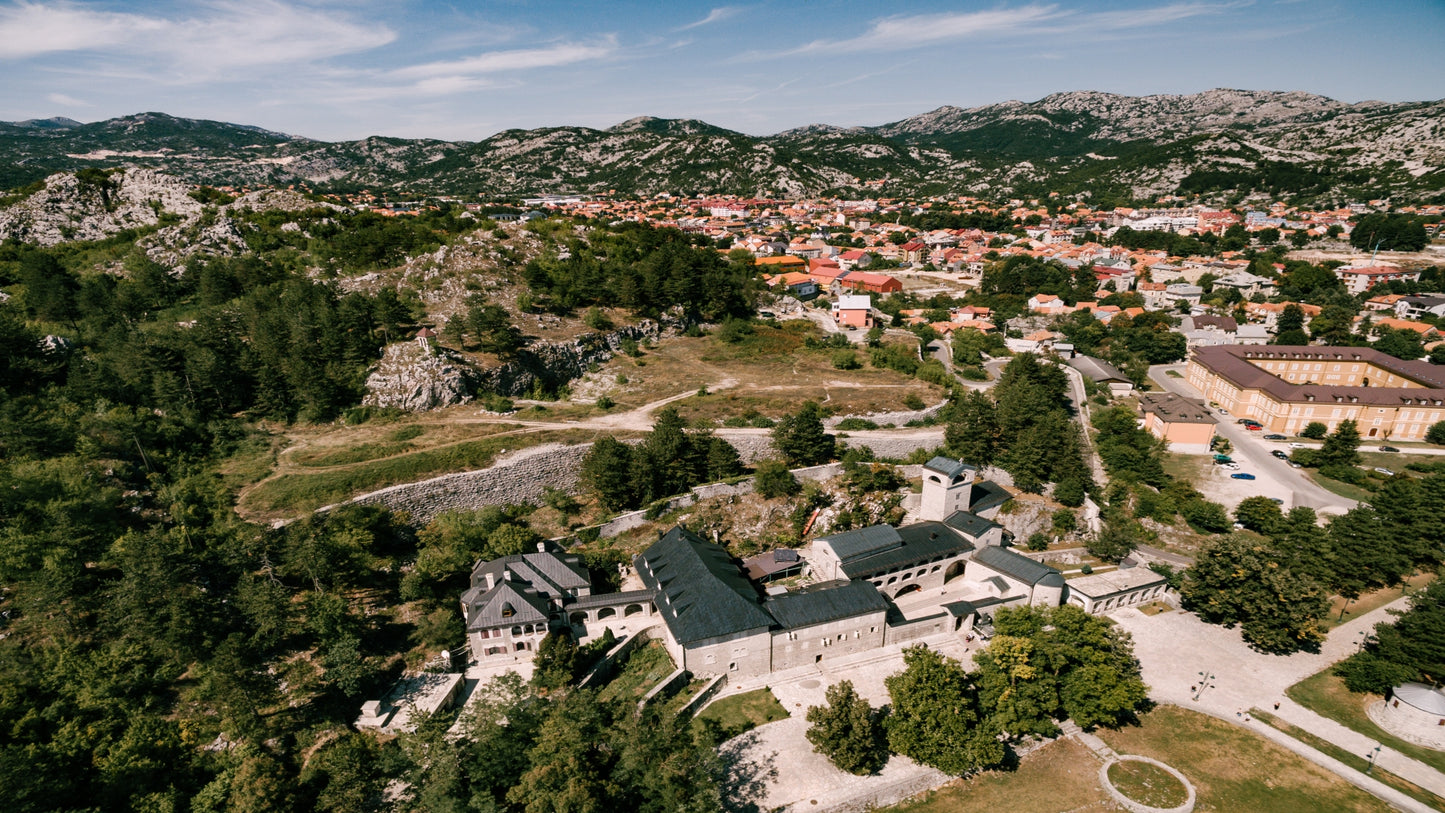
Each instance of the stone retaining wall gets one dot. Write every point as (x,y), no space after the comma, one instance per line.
(892,418)
(702,698)
(604,668)
(669,686)
(525,475)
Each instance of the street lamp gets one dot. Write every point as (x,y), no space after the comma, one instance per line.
(1372,756)
(1364,639)
(1204,683)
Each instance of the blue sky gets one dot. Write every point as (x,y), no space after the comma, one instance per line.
(342,69)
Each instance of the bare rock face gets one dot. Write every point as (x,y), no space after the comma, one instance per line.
(73,207)
(417,377)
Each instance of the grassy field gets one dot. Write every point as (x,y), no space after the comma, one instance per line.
(1372,601)
(1191,468)
(1326,695)
(1345,490)
(645,668)
(297,491)
(1061,776)
(1232,769)
(773,371)
(1147,784)
(741,712)
(1353,760)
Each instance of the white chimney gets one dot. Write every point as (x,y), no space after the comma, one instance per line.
(491,582)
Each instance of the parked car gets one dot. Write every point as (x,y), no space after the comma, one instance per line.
(1254,427)
(1232,466)
(1242,476)
(1275,436)
(1223,458)
(1280,455)
(1250,422)
(1388,449)
(1297,446)
(1384,471)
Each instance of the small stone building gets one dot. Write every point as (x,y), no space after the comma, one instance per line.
(1414,712)
(1102,592)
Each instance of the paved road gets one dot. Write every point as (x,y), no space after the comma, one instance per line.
(1252,452)
(1176,648)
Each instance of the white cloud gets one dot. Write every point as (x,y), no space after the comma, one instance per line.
(566,53)
(65,101)
(1159,15)
(920,30)
(225,35)
(716,15)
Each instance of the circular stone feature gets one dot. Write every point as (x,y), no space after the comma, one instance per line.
(809,684)
(1146,785)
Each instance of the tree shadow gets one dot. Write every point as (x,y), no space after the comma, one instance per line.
(743,778)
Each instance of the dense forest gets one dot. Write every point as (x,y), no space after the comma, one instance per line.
(160,654)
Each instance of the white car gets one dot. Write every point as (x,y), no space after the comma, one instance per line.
(1297,446)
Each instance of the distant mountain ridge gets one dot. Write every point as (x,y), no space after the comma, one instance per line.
(1221,143)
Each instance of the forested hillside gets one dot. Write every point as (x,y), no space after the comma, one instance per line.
(159,654)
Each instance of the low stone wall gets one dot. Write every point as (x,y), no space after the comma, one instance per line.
(669,686)
(603,669)
(892,418)
(702,698)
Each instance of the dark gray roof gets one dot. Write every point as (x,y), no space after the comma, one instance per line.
(771,563)
(971,525)
(611,599)
(701,593)
(960,608)
(1097,369)
(1019,567)
(1173,408)
(864,541)
(948,467)
(802,609)
(920,542)
(550,570)
(506,604)
(987,494)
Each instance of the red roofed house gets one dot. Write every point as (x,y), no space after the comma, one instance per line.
(856,258)
(1047,304)
(1364,277)
(872,283)
(914,251)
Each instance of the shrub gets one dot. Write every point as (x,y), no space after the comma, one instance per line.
(1436,433)
(846,360)
(1038,541)
(492,402)
(1086,569)
(912,401)
(772,479)
(1314,430)
(972,373)
(856,424)
(1206,516)
(603,402)
(596,319)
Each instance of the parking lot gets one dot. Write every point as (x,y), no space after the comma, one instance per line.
(1274,478)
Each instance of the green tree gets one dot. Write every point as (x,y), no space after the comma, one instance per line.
(1402,344)
(1314,430)
(936,717)
(772,478)
(1341,448)
(972,432)
(492,328)
(848,731)
(557,663)
(1259,514)
(607,470)
(1436,433)
(801,439)
(1236,581)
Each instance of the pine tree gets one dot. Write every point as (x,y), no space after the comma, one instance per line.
(800,437)
(848,731)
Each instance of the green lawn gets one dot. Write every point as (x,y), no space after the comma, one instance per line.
(1326,695)
(1345,490)
(1061,776)
(1353,760)
(645,668)
(1371,601)
(1233,769)
(1147,784)
(741,712)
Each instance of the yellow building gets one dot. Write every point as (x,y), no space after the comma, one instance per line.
(1185,424)
(1285,388)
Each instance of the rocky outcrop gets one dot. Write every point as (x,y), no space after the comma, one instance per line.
(555,363)
(95,206)
(412,377)
(416,377)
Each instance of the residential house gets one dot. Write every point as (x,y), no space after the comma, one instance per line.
(1207,331)
(1415,307)
(914,251)
(1186,424)
(1246,283)
(1361,278)
(872,283)
(854,259)
(1047,304)
(1103,373)
(853,311)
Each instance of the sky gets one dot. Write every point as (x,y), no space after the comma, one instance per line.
(348,69)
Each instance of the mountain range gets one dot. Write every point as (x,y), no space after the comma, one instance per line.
(1220,143)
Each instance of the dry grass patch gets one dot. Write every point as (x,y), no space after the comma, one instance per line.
(1233,769)
(1372,601)
(1060,776)
(772,373)
(1147,784)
